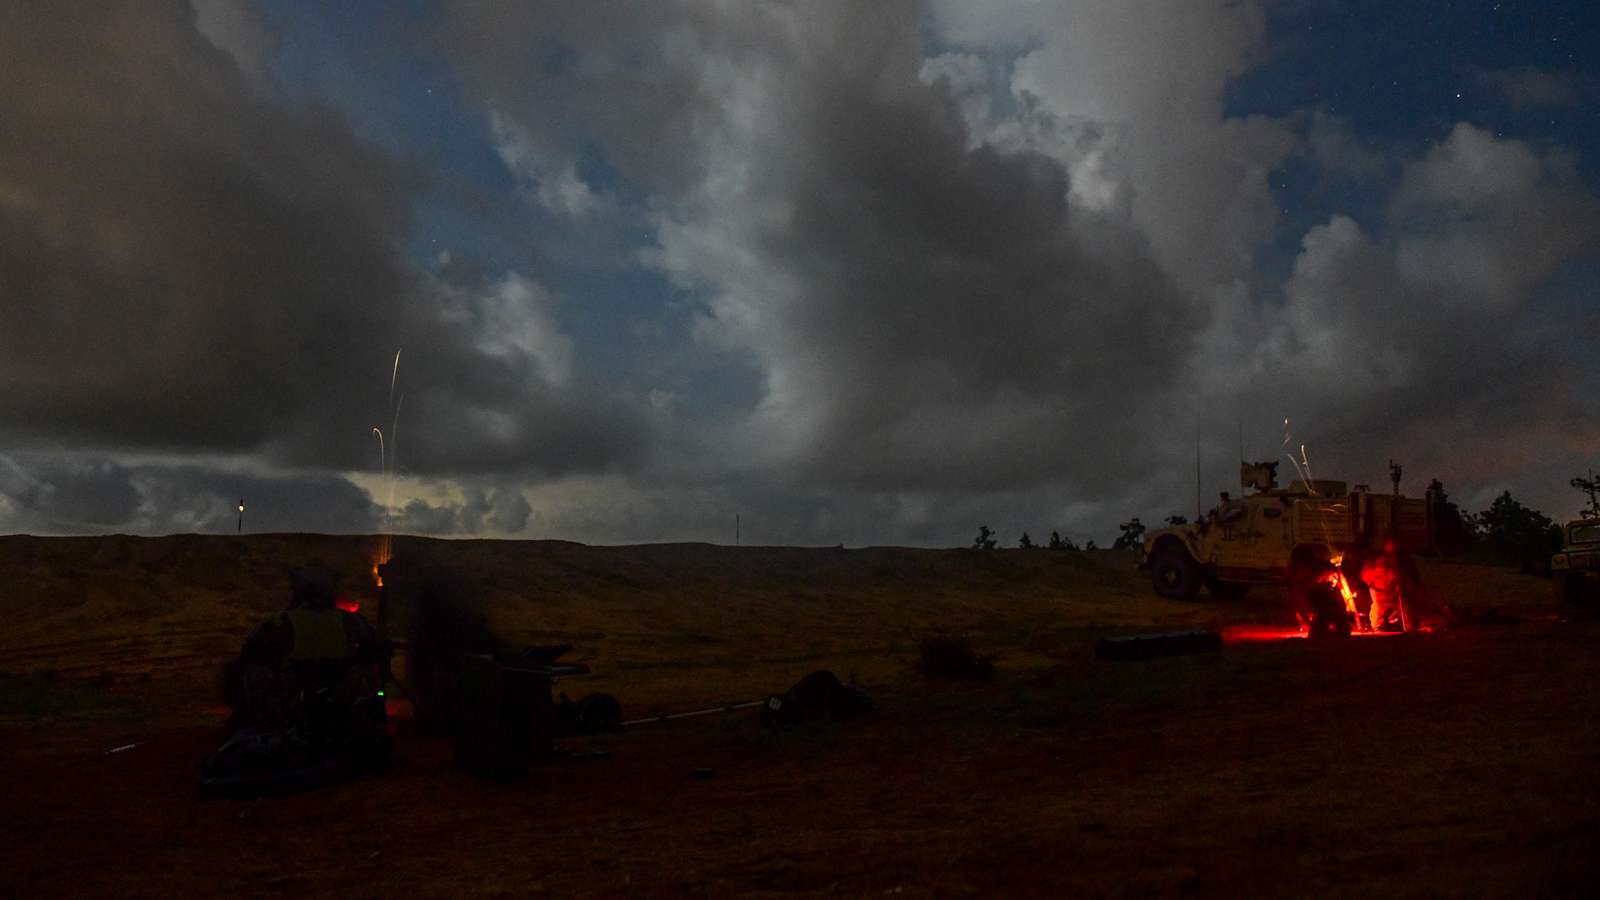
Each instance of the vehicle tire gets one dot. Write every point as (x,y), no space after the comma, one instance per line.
(1174,574)
(1575,589)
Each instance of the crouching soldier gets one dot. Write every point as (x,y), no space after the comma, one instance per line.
(312,652)
(1399,601)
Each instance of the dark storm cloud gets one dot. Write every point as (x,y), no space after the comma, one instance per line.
(491,384)
(420,517)
(502,510)
(507,511)
(76,494)
(628,76)
(71,494)
(1040,256)
(1429,336)
(1420,319)
(65,495)
(927,314)
(910,268)
(236,27)
(177,495)
(182,266)
(188,264)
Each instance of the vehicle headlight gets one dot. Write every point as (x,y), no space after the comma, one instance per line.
(1559,561)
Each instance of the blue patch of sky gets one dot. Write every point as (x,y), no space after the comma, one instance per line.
(632,324)
(366,60)
(1400,75)
(596,171)
(1308,198)
(1568,322)
(634,327)
(627,321)
(1407,72)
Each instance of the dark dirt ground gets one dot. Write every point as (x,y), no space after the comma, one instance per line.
(1450,763)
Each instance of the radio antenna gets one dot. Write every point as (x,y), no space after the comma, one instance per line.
(1198,515)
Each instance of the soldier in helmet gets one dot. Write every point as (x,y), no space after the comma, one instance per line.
(1314,592)
(1382,575)
(311,646)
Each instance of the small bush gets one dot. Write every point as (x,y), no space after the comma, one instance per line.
(953,657)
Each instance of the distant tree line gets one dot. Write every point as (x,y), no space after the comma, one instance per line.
(986,540)
(1132,537)
(1507,532)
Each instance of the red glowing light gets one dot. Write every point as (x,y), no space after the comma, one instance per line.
(1251,633)
(1349,596)
(348,605)
(1383,579)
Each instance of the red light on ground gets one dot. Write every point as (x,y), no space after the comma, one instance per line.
(1245,634)
(1250,633)
(348,605)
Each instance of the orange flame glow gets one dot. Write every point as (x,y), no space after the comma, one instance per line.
(1378,572)
(384,552)
(1338,580)
(1349,595)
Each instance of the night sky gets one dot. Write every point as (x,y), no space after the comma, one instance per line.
(855,273)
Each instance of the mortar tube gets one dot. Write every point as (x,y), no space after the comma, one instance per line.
(383,608)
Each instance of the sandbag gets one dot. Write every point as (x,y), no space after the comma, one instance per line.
(818,696)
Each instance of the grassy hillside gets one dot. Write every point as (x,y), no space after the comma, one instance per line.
(1449,763)
(660,624)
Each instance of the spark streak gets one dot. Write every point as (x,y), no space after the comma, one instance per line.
(394,440)
(385,543)
(394,375)
(383,467)
(1302,466)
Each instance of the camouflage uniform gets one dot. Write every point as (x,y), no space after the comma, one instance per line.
(311,645)
(1382,576)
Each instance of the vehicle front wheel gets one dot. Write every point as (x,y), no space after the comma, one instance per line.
(1175,575)
(1574,589)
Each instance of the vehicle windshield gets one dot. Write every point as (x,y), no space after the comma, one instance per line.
(1587,533)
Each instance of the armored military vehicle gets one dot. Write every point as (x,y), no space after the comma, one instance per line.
(1268,536)
(1575,571)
